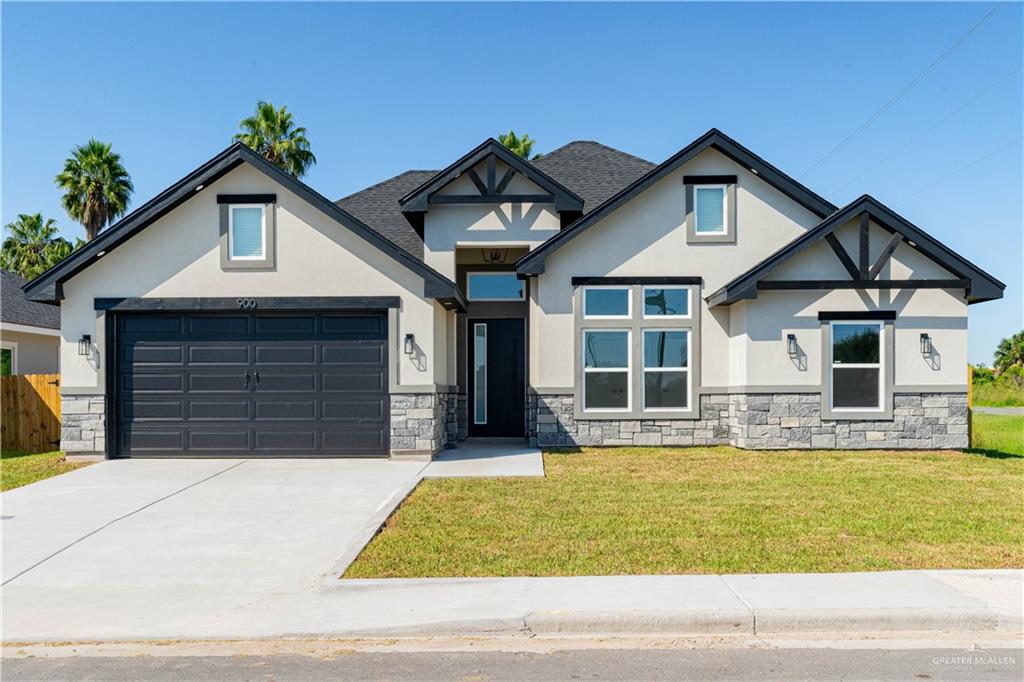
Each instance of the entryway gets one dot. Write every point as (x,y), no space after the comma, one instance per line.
(497,377)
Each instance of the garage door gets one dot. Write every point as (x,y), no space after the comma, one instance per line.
(273,385)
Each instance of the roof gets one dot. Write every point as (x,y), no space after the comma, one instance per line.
(564,198)
(533,262)
(980,285)
(593,170)
(16,309)
(377,206)
(48,286)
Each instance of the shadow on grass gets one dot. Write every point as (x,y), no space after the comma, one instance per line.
(992,454)
(14,454)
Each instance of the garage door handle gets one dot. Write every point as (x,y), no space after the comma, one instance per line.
(247,378)
(257,376)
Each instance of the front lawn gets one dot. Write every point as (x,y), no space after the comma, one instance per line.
(711,510)
(21,468)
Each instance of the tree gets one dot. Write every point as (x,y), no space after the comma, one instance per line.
(520,146)
(1009,353)
(272,134)
(34,246)
(96,186)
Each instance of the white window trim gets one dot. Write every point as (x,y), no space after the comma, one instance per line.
(859,365)
(689,370)
(469,286)
(689,301)
(476,381)
(620,287)
(628,370)
(13,347)
(725,211)
(263,232)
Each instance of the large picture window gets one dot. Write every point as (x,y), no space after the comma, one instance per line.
(606,375)
(856,365)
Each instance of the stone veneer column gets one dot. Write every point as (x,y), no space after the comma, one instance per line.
(83,424)
(760,421)
(422,423)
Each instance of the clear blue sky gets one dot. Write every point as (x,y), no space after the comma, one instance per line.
(388,87)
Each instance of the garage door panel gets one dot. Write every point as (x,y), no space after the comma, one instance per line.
(322,388)
(363,409)
(220,410)
(300,354)
(232,354)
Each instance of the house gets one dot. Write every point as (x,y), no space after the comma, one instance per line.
(586,297)
(29,331)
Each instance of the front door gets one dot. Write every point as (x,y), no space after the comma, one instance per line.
(497,377)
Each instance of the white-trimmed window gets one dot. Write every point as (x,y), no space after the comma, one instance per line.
(8,358)
(606,370)
(710,209)
(666,369)
(494,286)
(607,303)
(856,359)
(666,302)
(247,232)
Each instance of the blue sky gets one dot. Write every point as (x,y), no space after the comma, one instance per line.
(387,87)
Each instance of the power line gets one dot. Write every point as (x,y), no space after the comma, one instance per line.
(846,140)
(962,169)
(925,133)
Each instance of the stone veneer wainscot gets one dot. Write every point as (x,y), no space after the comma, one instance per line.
(83,424)
(760,421)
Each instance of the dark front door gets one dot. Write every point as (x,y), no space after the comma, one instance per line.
(497,377)
(261,384)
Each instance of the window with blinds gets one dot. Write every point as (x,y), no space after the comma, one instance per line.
(246,233)
(709,209)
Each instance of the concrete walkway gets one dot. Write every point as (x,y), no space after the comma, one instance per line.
(487,458)
(999,410)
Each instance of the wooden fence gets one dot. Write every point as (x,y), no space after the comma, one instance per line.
(30,412)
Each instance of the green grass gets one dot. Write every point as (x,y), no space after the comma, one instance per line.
(711,510)
(998,433)
(998,394)
(21,468)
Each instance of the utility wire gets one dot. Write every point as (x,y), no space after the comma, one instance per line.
(962,169)
(952,48)
(925,133)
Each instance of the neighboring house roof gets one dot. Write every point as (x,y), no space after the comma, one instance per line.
(533,262)
(377,206)
(48,286)
(592,170)
(16,309)
(564,198)
(980,286)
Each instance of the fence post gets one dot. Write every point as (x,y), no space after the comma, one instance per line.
(970,405)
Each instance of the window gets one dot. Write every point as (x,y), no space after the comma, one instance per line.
(479,373)
(494,286)
(9,359)
(606,369)
(666,369)
(606,303)
(246,232)
(666,302)
(857,365)
(709,209)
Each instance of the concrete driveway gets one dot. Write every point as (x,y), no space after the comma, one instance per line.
(136,548)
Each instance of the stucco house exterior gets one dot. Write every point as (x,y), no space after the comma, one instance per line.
(29,331)
(586,297)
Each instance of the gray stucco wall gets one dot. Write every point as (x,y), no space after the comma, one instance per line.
(760,421)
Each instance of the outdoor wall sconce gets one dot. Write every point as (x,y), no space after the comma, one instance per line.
(791,346)
(410,341)
(926,345)
(85,344)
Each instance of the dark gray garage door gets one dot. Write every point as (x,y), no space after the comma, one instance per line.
(275,385)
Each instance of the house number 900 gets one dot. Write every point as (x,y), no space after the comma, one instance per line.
(247,303)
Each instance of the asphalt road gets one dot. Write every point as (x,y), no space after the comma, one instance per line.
(595,664)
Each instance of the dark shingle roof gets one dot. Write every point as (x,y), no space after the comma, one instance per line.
(16,309)
(592,170)
(377,206)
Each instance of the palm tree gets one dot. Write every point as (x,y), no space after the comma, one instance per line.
(33,246)
(271,133)
(520,146)
(96,186)
(1009,353)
